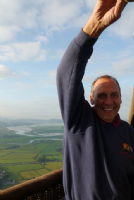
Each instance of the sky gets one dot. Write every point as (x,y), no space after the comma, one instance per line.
(33,38)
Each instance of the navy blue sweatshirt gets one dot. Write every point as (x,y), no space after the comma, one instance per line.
(98,160)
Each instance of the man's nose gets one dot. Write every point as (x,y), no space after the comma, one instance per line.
(108,100)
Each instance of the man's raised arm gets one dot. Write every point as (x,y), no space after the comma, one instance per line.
(72,67)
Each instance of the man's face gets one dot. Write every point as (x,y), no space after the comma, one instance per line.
(106,99)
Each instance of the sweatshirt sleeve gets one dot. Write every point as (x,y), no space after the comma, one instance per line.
(69,79)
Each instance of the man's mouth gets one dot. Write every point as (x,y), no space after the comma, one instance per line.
(108,109)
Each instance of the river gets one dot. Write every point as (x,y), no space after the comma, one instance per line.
(24,130)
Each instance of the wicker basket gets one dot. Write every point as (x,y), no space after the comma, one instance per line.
(46,187)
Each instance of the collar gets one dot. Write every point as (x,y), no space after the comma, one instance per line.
(115,122)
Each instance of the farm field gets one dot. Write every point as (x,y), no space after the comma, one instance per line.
(29,155)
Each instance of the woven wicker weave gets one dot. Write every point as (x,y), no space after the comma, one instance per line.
(53,193)
(47,187)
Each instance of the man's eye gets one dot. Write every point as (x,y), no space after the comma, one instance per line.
(101,96)
(115,95)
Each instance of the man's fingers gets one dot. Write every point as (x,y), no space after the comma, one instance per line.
(120,5)
(124,4)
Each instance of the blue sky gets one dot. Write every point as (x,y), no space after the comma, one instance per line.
(33,38)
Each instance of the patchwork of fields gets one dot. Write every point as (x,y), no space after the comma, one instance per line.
(22,160)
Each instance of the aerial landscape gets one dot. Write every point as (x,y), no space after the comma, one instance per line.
(33,38)
(29,149)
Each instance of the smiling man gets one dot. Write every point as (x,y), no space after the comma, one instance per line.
(98,147)
(106,97)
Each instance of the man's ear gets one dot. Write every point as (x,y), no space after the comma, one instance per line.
(121,98)
(91,100)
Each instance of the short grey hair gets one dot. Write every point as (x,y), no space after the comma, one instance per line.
(104,77)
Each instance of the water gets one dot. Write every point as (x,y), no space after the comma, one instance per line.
(24,130)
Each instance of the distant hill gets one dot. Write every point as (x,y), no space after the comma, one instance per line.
(14,123)
(3,124)
(27,122)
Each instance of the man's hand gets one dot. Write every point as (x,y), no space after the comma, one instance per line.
(105,13)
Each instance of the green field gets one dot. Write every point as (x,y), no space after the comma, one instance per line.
(21,161)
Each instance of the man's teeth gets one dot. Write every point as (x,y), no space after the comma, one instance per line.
(108,108)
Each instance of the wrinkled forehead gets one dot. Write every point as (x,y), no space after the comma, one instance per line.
(105,85)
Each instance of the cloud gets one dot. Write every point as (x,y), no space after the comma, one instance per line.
(80,20)
(24,51)
(15,16)
(41,38)
(24,86)
(25,73)
(123,67)
(42,55)
(58,54)
(52,73)
(90,4)
(49,16)
(88,78)
(18,16)
(5,72)
(8,33)
(117,62)
(124,27)
(50,81)
(57,14)
(100,55)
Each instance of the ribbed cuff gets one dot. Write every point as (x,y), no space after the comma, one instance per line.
(84,41)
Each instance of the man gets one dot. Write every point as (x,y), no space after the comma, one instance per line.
(98,147)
